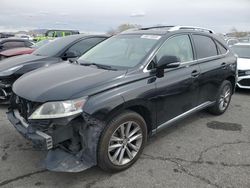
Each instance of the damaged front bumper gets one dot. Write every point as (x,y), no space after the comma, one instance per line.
(5,92)
(244,82)
(39,139)
(71,148)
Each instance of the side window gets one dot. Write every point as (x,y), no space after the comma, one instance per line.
(221,48)
(179,46)
(28,44)
(13,44)
(84,45)
(205,46)
(67,33)
(51,34)
(59,34)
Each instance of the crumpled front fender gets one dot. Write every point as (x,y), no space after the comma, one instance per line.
(62,161)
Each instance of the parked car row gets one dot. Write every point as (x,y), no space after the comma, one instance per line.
(56,51)
(51,34)
(100,108)
(8,43)
(22,44)
(22,50)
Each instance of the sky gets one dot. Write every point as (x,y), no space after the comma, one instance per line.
(101,16)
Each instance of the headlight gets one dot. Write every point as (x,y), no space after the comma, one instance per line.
(59,109)
(10,71)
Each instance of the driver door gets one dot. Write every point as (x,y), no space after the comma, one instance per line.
(177,90)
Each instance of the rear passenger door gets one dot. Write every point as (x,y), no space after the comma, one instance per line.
(177,91)
(212,67)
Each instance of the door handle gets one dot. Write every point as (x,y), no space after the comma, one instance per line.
(224,65)
(195,73)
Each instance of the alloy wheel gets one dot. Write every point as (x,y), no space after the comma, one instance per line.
(225,98)
(125,143)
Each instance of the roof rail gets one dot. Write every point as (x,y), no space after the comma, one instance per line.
(157,27)
(130,29)
(191,27)
(171,28)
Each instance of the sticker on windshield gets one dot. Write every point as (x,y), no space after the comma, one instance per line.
(154,37)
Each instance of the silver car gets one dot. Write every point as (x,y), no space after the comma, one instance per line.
(243,52)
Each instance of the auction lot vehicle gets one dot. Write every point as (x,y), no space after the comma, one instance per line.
(231,41)
(57,51)
(6,35)
(243,62)
(22,50)
(8,43)
(51,34)
(101,110)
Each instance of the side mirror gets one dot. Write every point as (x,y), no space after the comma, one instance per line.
(168,62)
(70,54)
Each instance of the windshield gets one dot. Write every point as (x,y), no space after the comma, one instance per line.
(39,44)
(54,47)
(242,51)
(122,51)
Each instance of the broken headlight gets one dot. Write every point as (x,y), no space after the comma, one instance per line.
(59,109)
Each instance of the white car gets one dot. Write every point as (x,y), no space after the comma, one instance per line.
(243,52)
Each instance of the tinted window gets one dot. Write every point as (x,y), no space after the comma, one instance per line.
(51,34)
(40,43)
(59,34)
(84,45)
(13,44)
(179,46)
(54,47)
(221,48)
(205,46)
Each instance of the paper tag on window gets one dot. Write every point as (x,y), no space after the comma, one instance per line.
(154,37)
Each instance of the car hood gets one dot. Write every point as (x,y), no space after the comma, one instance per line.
(63,82)
(16,51)
(19,60)
(243,64)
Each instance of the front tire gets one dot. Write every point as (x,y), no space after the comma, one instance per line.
(122,142)
(223,98)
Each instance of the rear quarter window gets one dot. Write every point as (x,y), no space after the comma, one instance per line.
(204,46)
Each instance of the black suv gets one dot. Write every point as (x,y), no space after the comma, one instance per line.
(102,108)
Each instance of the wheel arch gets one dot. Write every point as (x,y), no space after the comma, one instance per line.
(139,108)
(232,79)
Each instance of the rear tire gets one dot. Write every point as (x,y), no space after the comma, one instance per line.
(122,142)
(223,98)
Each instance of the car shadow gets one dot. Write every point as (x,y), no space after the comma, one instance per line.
(4,107)
(242,91)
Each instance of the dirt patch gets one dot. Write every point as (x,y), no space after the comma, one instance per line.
(39,183)
(5,157)
(226,126)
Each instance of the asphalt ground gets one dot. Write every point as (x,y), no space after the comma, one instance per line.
(200,151)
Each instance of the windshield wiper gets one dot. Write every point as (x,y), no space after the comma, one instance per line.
(106,67)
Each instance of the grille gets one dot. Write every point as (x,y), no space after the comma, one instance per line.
(241,73)
(6,82)
(245,82)
(25,107)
